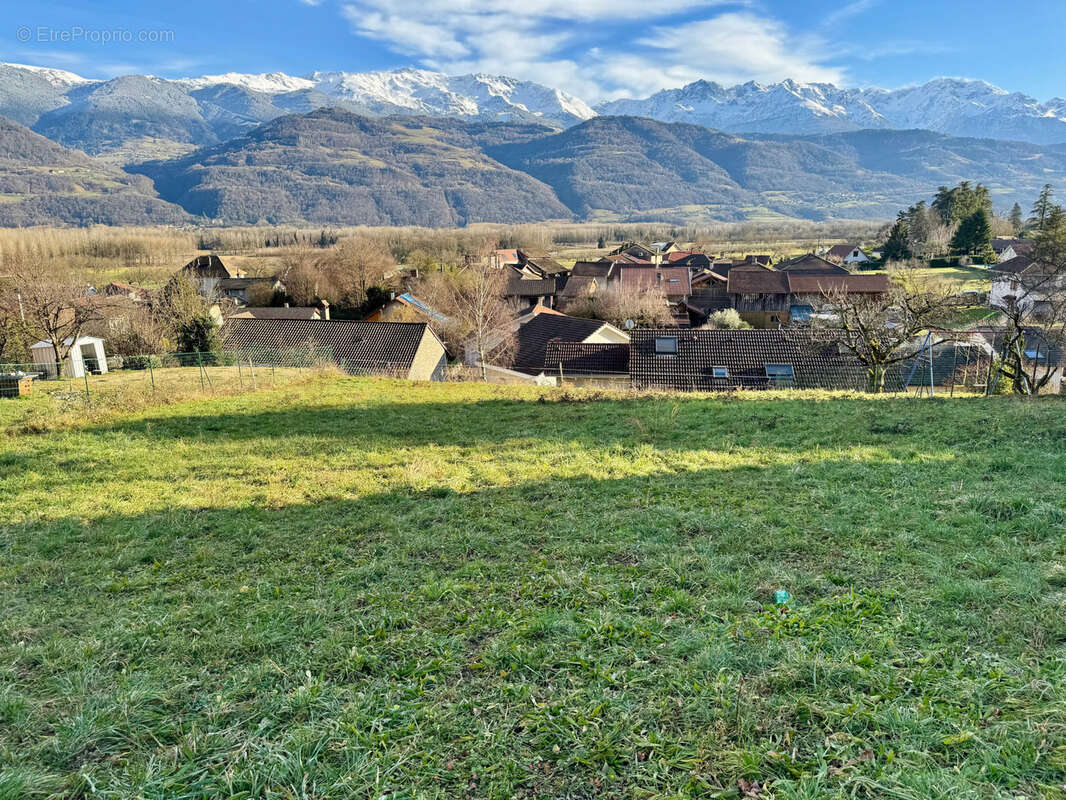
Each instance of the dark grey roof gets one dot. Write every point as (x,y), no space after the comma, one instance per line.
(586,358)
(1015,265)
(209,266)
(516,287)
(277,312)
(243,283)
(812,263)
(532,337)
(592,269)
(745,354)
(355,346)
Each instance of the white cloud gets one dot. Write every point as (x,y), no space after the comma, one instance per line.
(596,49)
(847,11)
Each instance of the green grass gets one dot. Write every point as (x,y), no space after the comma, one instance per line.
(355,588)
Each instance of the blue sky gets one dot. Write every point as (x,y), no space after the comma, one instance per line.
(596,49)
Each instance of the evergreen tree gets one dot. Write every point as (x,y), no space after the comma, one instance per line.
(897,247)
(974,235)
(918,227)
(199,334)
(1042,208)
(1017,221)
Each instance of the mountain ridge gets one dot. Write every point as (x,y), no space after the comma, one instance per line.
(134,117)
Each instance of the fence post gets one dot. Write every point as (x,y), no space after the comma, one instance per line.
(252,373)
(240,374)
(272,381)
(88,397)
(151,372)
(200,364)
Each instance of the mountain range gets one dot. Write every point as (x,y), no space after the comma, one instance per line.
(135,117)
(414,147)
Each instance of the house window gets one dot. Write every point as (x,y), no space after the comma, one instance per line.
(666,345)
(719,372)
(775,318)
(781,375)
(1035,354)
(801,313)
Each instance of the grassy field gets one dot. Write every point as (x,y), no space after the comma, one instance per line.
(357,588)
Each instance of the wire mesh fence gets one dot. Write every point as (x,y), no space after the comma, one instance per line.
(79,380)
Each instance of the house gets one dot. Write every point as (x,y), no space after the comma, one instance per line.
(588,364)
(716,360)
(406,308)
(403,349)
(577,288)
(812,264)
(688,258)
(540,266)
(635,250)
(239,290)
(85,355)
(847,254)
(531,292)
(1025,283)
(529,265)
(206,272)
(282,312)
(1042,354)
(505,258)
(763,260)
(673,282)
(768,298)
(126,291)
(592,269)
(1007,248)
(708,295)
(533,336)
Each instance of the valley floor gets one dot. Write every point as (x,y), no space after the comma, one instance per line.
(352,587)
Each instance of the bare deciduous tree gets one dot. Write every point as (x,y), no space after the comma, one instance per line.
(480,317)
(616,303)
(878,330)
(56,302)
(1035,331)
(356,265)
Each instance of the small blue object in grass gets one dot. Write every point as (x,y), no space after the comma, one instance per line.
(781,597)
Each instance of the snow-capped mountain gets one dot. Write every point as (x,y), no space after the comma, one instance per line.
(418,91)
(138,116)
(954,106)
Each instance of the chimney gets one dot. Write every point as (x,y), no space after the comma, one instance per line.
(325,309)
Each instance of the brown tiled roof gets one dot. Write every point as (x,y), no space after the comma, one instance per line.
(744,354)
(752,279)
(674,281)
(533,336)
(355,346)
(758,280)
(807,283)
(842,251)
(586,358)
(277,312)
